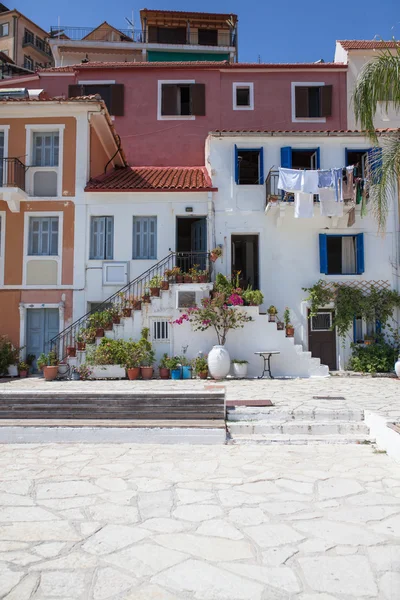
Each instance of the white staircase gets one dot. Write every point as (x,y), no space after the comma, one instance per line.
(270,425)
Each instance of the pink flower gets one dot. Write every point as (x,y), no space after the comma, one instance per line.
(235,300)
(206,322)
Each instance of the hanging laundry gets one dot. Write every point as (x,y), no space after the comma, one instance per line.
(325,178)
(338,184)
(359,189)
(348,184)
(290,180)
(352,217)
(329,206)
(310,182)
(303,205)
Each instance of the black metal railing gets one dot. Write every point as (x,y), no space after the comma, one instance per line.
(161,36)
(36,42)
(12,173)
(272,192)
(129,294)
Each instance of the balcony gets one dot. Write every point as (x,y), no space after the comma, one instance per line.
(36,42)
(12,182)
(154,35)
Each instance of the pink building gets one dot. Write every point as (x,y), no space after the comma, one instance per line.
(164,111)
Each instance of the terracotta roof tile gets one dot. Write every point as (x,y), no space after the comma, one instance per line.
(192,179)
(187,13)
(301,132)
(368,44)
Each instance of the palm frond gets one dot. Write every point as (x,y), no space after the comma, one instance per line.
(385,169)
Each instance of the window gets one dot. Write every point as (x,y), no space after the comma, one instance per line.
(293,158)
(208,37)
(341,254)
(101,238)
(45,149)
(243,96)
(183,99)
(144,238)
(29,37)
(368,159)
(363,330)
(249,166)
(1,158)
(111,93)
(28,63)
(43,236)
(311,101)
(167,35)
(160,330)
(4,29)
(322,321)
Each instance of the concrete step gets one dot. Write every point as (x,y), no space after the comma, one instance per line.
(294,428)
(271,413)
(300,440)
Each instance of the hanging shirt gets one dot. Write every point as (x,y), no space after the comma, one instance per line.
(338,184)
(303,205)
(290,180)
(348,185)
(329,207)
(310,182)
(352,217)
(325,178)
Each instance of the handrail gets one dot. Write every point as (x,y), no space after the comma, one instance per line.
(12,173)
(129,292)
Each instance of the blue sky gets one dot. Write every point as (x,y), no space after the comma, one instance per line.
(274,31)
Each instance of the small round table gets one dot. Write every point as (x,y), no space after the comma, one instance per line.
(266,355)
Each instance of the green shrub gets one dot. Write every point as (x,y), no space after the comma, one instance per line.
(376,358)
(8,354)
(253,297)
(223,285)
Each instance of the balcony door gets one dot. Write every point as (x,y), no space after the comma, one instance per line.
(245,251)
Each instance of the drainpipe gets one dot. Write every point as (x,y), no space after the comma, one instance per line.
(210,221)
(15,40)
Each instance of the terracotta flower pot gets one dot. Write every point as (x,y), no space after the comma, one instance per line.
(187,279)
(203,374)
(146,372)
(289,331)
(179,279)
(116,320)
(127,312)
(195,279)
(23,374)
(203,279)
(271,318)
(164,373)
(165,285)
(108,327)
(146,298)
(100,332)
(137,305)
(213,257)
(133,373)
(280,326)
(50,373)
(155,291)
(81,346)
(71,351)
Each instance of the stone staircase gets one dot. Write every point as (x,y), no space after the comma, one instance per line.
(270,425)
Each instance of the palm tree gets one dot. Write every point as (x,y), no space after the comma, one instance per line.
(379,82)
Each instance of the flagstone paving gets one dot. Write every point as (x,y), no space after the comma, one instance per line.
(147,522)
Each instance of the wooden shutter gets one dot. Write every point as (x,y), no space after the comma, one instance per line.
(261,167)
(152,34)
(323,253)
(360,253)
(198,92)
(109,249)
(75,90)
(286,157)
(236,165)
(117,100)
(53,242)
(301,102)
(169,99)
(326,101)
(152,247)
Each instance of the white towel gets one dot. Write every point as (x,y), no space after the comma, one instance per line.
(310,182)
(328,205)
(303,205)
(290,180)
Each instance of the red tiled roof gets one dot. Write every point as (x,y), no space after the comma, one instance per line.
(368,44)
(93,98)
(188,13)
(301,132)
(191,65)
(147,179)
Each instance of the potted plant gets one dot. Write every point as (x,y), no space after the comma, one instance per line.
(280,325)
(136,303)
(186,367)
(71,351)
(84,372)
(163,368)
(50,369)
(155,285)
(173,364)
(88,336)
(204,276)
(272,313)
(115,313)
(253,297)
(369,340)
(126,308)
(134,356)
(9,357)
(30,359)
(201,367)
(239,368)
(146,369)
(41,361)
(23,369)
(194,273)
(215,253)
(146,296)
(107,319)
(288,326)
(187,278)
(165,285)
(178,275)
(171,274)
(96,322)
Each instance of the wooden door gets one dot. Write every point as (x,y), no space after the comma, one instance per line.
(322,338)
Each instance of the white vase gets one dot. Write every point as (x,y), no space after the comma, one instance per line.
(12,370)
(219,362)
(397,367)
(239,370)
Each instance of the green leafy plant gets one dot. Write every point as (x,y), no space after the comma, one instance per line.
(87,335)
(200,364)
(272,310)
(163,362)
(172,363)
(108,352)
(133,354)
(23,366)
(253,297)
(155,282)
(84,371)
(223,285)
(239,362)
(42,361)
(30,358)
(286,317)
(47,360)
(9,355)
(217,251)
(376,358)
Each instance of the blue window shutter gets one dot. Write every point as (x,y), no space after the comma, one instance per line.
(236,165)
(286,157)
(354,330)
(109,248)
(318,158)
(360,253)
(261,173)
(323,253)
(375,164)
(378,326)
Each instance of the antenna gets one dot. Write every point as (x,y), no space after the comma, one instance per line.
(131,22)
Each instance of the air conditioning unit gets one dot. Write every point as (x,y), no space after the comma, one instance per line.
(188,298)
(115,273)
(45,183)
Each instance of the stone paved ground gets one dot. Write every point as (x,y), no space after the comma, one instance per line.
(381,395)
(131,522)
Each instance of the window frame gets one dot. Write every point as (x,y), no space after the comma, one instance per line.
(28,58)
(58,259)
(41,219)
(2,25)
(160,116)
(2,244)
(105,257)
(261,176)
(295,84)
(38,128)
(148,256)
(242,84)
(359,247)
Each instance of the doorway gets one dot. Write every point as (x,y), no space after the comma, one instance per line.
(191,241)
(42,324)
(245,259)
(322,338)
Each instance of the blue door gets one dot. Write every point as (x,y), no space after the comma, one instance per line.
(42,324)
(199,241)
